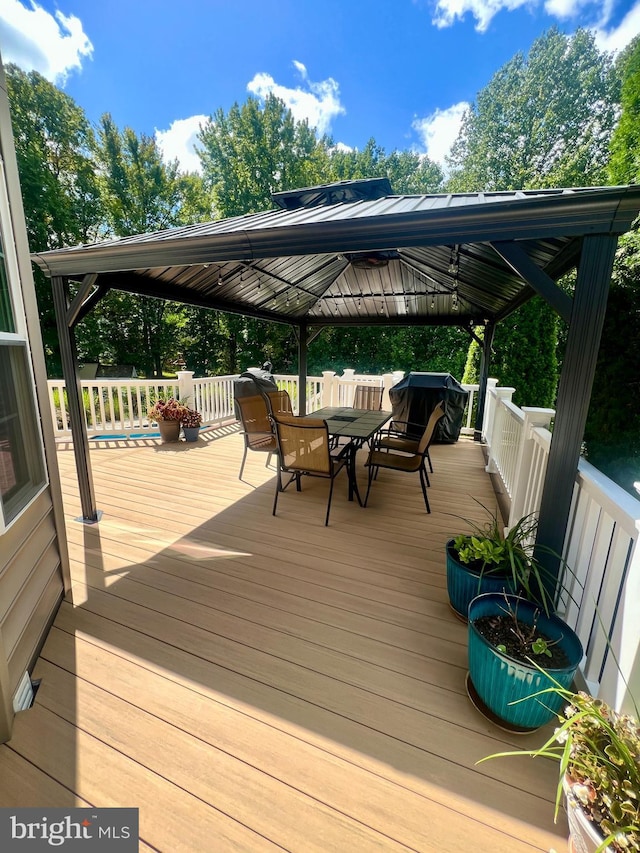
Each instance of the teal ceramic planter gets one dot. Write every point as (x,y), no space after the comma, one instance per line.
(500,680)
(464,584)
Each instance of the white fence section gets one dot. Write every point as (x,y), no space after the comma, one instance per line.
(602,602)
(602,550)
(121,405)
(110,405)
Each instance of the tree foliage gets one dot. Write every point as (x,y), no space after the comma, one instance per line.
(612,433)
(253,151)
(624,166)
(408,172)
(61,197)
(544,120)
(140,193)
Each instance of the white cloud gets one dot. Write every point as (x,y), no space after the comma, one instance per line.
(35,40)
(565,8)
(319,103)
(178,143)
(447,11)
(439,130)
(618,37)
(598,11)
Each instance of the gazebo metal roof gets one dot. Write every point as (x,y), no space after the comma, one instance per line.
(352,253)
(399,260)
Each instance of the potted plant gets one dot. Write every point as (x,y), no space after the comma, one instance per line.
(598,754)
(168,415)
(510,637)
(488,560)
(191,420)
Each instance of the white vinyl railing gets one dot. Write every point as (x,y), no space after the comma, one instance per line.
(602,581)
(120,405)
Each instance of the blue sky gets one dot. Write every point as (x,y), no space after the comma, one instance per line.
(400,71)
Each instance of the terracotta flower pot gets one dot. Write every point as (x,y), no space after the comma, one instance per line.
(169,431)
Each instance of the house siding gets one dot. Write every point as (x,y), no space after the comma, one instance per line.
(34,571)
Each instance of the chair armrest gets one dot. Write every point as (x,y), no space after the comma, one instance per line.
(393,427)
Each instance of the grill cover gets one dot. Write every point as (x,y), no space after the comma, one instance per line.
(416,396)
(253,381)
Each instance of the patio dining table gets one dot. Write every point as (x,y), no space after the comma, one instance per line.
(358,425)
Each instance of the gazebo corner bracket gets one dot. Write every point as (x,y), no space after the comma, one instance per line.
(515,256)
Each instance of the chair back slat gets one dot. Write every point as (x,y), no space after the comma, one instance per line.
(368,397)
(304,444)
(427,435)
(279,402)
(255,419)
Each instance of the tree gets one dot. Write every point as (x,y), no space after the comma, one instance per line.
(407,171)
(624,166)
(141,193)
(61,197)
(544,120)
(253,151)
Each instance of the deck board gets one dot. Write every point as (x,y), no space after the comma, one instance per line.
(269,683)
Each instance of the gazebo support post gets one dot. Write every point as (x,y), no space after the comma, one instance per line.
(302,369)
(69,359)
(574,392)
(485,360)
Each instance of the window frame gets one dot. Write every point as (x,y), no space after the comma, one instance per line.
(19,339)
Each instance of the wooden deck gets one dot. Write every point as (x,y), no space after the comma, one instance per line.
(256,683)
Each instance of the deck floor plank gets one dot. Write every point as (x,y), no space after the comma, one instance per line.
(268,682)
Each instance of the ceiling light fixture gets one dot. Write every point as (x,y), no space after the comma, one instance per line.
(454,260)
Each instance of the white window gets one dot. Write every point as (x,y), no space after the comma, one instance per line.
(22,470)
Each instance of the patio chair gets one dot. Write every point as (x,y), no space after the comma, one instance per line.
(256,428)
(368,397)
(395,436)
(403,461)
(279,402)
(303,448)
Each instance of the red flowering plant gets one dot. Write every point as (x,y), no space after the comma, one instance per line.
(167,410)
(190,418)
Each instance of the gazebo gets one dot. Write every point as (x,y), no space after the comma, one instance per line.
(353,253)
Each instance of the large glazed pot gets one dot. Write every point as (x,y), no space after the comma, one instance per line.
(464,582)
(500,680)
